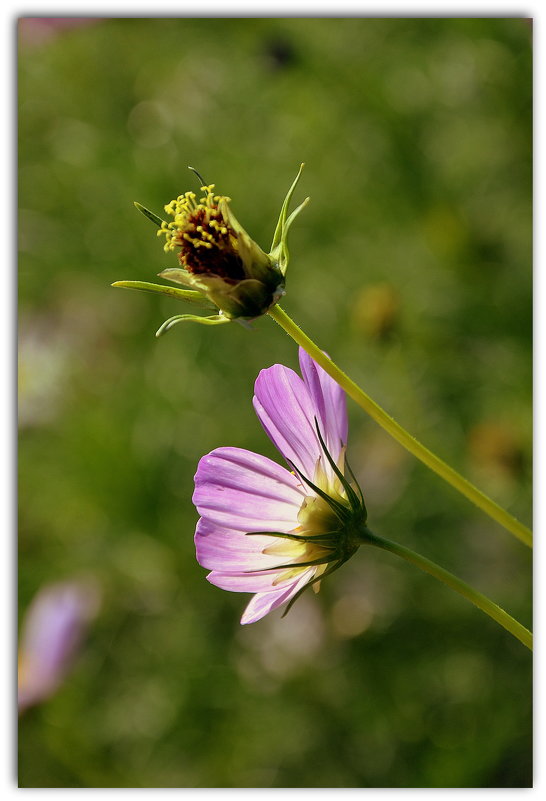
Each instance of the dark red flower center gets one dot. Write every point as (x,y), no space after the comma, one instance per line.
(208,246)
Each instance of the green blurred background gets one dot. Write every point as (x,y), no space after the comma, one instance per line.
(411,266)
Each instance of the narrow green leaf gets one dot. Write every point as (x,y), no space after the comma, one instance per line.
(294,214)
(199,177)
(190,318)
(284,208)
(282,251)
(149,214)
(181,294)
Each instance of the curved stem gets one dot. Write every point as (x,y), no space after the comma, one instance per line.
(399,433)
(481,601)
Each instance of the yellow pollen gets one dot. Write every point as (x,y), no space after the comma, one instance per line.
(182,210)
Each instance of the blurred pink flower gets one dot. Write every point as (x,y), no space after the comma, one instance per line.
(51,634)
(35,30)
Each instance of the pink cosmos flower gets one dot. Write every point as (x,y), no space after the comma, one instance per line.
(272,531)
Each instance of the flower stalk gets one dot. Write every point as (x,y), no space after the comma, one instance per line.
(477,598)
(400,434)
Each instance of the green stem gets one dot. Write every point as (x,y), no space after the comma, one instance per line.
(481,601)
(381,417)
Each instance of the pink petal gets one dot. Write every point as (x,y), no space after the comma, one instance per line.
(244,491)
(330,402)
(264,602)
(249,582)
(287,412)
(228,551)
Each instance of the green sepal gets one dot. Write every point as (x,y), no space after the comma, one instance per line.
(279,249)
(149,214)
(284,208)
(326,536)
(189,295)
(249,298)
(215,319)
(357,485)
(340,511)
(283,254)
(177,275)
(352,497)
(310,563)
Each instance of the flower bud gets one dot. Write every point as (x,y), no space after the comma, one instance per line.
(218,258)
(221,267)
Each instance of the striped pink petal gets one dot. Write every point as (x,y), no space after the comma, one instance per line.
(287,413)
(330,403)
(264,602)
(250,582)
(228,551)
(244,491)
